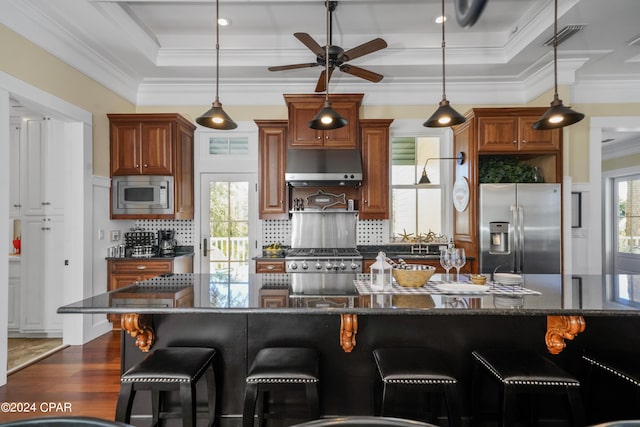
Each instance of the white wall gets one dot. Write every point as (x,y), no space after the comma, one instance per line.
(4,231)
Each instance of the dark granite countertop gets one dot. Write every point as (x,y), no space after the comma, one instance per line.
(555,294)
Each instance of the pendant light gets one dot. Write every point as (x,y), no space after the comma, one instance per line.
(327,118)
(445,115)
(215,117)
(557,116)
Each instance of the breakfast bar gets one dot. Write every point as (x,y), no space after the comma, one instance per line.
(559,316)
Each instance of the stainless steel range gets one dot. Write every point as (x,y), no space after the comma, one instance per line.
(323,241)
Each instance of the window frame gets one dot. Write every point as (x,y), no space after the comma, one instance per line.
(414,129)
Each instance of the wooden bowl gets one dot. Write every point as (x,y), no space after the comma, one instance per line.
(410,278)
(478,279)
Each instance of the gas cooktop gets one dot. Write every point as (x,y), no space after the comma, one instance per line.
(326,260)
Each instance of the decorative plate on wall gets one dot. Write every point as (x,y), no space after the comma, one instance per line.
(461,194)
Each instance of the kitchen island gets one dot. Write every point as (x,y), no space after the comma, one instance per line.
(225,316)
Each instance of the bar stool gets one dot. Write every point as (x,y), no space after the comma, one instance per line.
(619,394)
(281,368)
(421,369)
(523,372)
(167,369)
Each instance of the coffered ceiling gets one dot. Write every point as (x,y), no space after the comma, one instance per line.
(162,52)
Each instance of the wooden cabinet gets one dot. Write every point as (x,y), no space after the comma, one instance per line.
(272,151)
(124,272)
(374,192)
(274,297)
(270,266)
(302,108)
(509,130)
(155,144)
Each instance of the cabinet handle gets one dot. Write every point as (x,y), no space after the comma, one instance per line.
(318,137)
(141,267)
(326,137)
(524,141)
(270,267)
(17,206)
(514,142)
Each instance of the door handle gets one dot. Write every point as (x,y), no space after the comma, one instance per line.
(205,247)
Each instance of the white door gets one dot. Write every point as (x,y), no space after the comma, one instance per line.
(227,208)
(626,233)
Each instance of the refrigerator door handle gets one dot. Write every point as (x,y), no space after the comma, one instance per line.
(514,238)
(520,236)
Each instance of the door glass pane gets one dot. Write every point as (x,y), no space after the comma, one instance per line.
(629,216)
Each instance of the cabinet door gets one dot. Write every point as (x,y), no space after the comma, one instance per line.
(125,148)
(15,170)
(272,140)
(497,134)
(54,264)
(537,140)
(33,274)
(184,204)
(346,136)
(155,148)
(13,302)
(301,135)
(374,192)
(270,266)
(34,170)
(54,159)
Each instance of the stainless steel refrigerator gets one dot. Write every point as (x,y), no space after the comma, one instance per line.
(520,228)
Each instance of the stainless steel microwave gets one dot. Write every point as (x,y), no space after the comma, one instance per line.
(142,194)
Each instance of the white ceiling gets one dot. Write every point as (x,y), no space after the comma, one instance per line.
(162,52)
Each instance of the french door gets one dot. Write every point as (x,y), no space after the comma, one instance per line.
(227,209)
(626,223)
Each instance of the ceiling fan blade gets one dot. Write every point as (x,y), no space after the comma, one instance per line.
(364,49)
(321,86)
(362,73)
(309,42)
(293,66)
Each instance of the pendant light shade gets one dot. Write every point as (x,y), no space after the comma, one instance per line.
(327,118)
(445,115)
(557,116)
(424,179)
(215,117)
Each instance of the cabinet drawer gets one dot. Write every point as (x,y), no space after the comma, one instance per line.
(270,266)
(145,266)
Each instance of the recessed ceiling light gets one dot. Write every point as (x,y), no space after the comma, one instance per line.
(440,19)
(224,22)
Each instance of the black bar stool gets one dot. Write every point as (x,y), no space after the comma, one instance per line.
(612,384)
(523,372)
(276,368)
(167,369)
(421,369)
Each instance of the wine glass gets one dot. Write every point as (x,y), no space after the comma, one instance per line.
(459,260)
(446,261)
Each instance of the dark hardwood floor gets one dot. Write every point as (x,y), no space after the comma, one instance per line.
(77,380)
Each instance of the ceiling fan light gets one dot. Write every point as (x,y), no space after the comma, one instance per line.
(327,119)
(557,116)
(216,118)
(444,116)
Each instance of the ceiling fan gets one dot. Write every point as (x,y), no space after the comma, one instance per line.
(338,57)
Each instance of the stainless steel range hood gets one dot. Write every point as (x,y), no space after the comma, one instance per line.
(323,168)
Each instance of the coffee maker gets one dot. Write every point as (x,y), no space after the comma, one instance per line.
(166,242)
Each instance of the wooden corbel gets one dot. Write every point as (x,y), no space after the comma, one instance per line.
(139,327)
(560,328)
(348,331)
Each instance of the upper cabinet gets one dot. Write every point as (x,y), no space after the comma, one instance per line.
(374,192)
(302,108)
(155,144)
(272,148)
(508,130)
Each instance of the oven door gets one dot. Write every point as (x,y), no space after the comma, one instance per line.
(142,194)
(323,290)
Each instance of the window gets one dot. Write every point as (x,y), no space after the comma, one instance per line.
(228,145)
(417,209)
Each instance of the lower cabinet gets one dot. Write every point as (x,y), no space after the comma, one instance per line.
(13,325)
(124,272)
(274,297)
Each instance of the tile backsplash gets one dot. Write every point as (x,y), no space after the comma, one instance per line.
(369,232)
